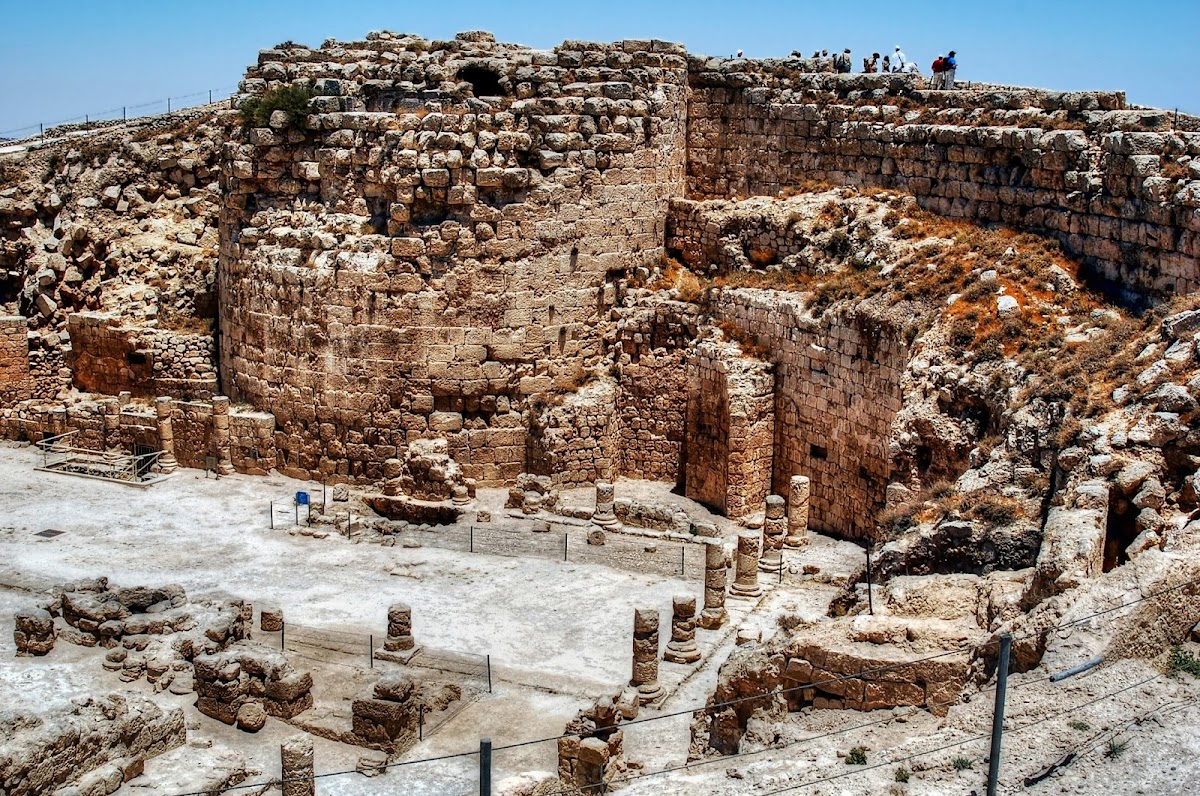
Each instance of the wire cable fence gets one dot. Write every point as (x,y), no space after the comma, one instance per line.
(565,542)
(118,114)
(897,758)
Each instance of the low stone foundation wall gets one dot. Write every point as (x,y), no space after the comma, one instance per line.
(42,753)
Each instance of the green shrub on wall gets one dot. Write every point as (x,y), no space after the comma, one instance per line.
(256,111)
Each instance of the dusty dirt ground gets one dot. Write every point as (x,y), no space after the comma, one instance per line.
(558,635)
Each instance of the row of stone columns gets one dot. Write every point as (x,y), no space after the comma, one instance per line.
(785,524)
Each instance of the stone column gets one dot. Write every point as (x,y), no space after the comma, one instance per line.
(164,408)
(271,620)
(645,656)
(774,530)
(716,574)
(110,417)
(745,583)
(797,519)
(391,476)
(220,408)
(296,755)
(459,495)
(682,646)
(399,633)
(604,516)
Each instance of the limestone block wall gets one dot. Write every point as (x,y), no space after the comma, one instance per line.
(1099,189)
(107,356)
(575,443)
(421,261)
(46,752)
(837,383)
(729,437)
(252,440)
(15,382)
(651,356)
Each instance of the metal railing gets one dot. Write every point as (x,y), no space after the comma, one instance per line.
(58,455)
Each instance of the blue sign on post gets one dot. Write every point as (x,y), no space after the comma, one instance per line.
(301,498)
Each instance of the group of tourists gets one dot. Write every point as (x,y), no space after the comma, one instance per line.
(944,66)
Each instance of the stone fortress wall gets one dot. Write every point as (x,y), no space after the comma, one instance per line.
(445,248)
(1102,179)
(458,245)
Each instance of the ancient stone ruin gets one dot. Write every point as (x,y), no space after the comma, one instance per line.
(847,376)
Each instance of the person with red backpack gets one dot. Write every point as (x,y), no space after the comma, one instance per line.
(939,69)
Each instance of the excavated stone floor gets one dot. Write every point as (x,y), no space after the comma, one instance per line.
(531,614)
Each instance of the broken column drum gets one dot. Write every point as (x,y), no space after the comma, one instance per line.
(163,409)
(774,530)
(392,470)
(716,576)
(605,515)
(296,756)
(799,490)
(399,635)
(682,646)
(745,583)
(645,656)
(271,620)
(220,410)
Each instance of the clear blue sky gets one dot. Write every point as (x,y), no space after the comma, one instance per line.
(70,57)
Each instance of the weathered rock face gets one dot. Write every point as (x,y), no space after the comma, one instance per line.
(34,631)
(820,666)
(57,748)
(245,673)
(120,226)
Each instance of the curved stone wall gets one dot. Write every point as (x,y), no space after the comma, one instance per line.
(432,268)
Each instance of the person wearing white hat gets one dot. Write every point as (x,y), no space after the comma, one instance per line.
(899,60)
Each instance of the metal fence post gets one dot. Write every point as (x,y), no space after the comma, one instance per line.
(998,714)
(371,651)
(472,542)
(489,672)
(565,537)
(682,560)
(282,634)
(485,767)
(272,504)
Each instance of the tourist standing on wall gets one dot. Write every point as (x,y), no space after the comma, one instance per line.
(842,63)
(871,65)
(939,68)
(887,63)
(899,60)
(948,75)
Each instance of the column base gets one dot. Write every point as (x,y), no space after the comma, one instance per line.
(682,654)
(795,542)
(745,592)
(650,692)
